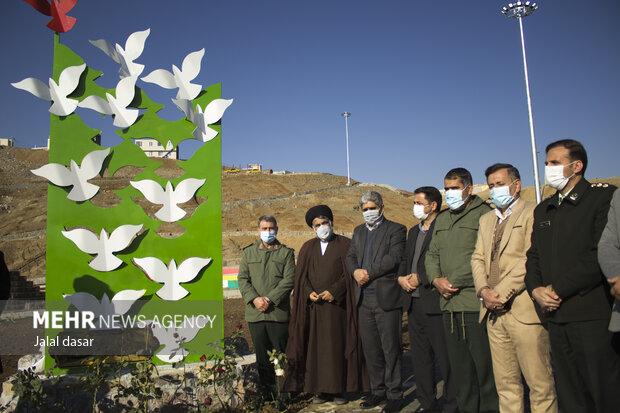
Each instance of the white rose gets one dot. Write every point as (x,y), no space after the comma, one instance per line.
(275,362)
(279,372)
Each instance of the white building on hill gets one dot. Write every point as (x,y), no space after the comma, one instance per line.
(153,148)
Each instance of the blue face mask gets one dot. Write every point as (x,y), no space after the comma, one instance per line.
(268,236)
(454,198)
(500,195)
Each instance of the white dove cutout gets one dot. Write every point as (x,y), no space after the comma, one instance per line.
(76,176)
(212,113)
(171,276)
(104,246)
(168,197)
(172,339)
(56,92)
(106,308)
(134,46)
(123,117)
(180,79)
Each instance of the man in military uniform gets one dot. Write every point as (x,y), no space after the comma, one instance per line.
(448,268)
(266,278)
(565,279)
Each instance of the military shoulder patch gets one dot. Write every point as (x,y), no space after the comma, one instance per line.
(600,185)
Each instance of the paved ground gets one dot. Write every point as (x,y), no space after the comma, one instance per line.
(411,403)
(231,293)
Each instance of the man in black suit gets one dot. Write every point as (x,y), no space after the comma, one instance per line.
(422,304)
(373,258)
(565,279)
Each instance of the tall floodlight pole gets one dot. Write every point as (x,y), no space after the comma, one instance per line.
(346,127)
(519,10)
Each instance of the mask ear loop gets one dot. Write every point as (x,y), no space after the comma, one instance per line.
(511,184)
(573,174)
(573,170)
(471,194)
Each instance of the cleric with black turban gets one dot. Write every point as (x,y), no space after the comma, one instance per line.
(324,348)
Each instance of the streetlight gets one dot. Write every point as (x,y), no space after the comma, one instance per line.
(346,126)
(519,10)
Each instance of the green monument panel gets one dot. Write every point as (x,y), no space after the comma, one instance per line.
(111,261)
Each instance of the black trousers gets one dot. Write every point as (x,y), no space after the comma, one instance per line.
(587,369)
(428,342)
(266,336)
(380,334)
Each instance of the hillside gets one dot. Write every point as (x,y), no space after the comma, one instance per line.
(23,202)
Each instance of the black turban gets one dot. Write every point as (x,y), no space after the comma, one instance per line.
(318,211)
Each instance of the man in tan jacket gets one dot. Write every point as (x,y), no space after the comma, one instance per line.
(519,343)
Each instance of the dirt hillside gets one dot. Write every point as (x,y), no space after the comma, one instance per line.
(23,202)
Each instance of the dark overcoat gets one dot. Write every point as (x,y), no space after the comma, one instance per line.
(564,249)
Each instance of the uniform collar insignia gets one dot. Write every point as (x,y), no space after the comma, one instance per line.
(274,246)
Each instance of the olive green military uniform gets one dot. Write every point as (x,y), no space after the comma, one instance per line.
(267,272)
(449,256)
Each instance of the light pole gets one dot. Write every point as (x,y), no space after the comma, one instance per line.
(346,126)
(519,10)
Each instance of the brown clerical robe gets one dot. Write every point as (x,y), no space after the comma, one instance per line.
(324,347)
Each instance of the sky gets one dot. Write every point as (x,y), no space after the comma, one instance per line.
(430,85)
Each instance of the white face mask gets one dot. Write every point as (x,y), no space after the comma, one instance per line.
(324,232)
(418,212)
(554,176)
(372,216)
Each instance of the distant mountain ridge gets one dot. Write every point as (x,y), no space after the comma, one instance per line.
(23,204)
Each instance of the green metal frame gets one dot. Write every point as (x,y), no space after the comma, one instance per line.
(67,267)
